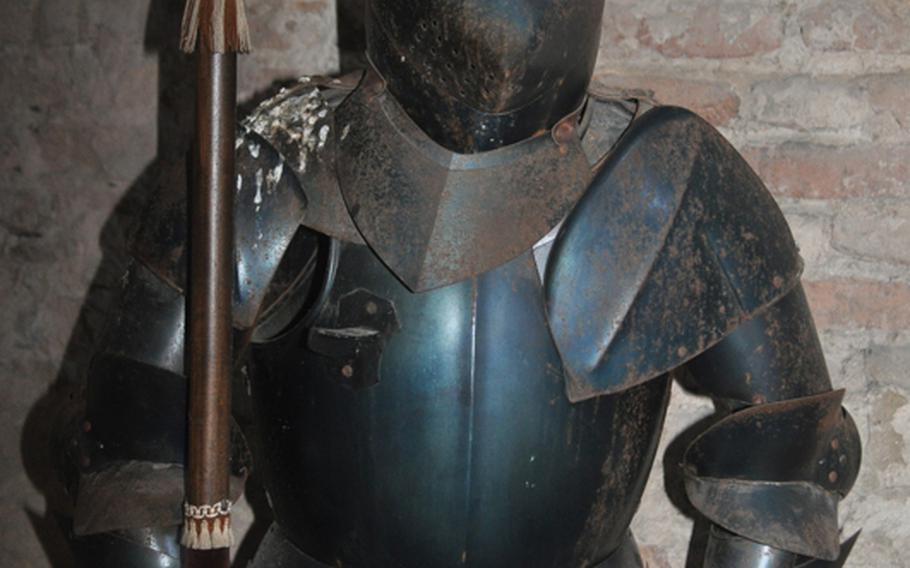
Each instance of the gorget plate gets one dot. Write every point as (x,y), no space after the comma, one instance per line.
(436,217)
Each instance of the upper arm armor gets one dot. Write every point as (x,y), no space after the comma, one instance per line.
(675,243)
(269,206)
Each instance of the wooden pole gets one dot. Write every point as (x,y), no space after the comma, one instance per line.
(216,30)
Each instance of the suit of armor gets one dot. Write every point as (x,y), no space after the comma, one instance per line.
(463,284)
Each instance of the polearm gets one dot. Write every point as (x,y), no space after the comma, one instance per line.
(217,31)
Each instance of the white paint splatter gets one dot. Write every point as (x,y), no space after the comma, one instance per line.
(258,198)
(239,183)
(292,118)
(254,149)
(323,135)
(274,176)
(345,131)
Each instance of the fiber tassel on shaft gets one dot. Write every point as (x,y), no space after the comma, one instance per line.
(207,527)
(208,534)
(219,25)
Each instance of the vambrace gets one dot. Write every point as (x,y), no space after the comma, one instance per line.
(775,472)
(770,475)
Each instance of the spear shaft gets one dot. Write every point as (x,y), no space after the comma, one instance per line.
(216,29)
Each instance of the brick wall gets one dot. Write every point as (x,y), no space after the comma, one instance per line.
(814,92)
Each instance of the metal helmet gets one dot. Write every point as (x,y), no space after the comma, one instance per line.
(479,74)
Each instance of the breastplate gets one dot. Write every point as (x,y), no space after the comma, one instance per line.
(433,429)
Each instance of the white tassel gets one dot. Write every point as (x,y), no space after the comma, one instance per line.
(207,527)
(225,28)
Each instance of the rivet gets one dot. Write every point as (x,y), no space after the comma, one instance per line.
(835,444)
(86,426)
(347,371)
(563,133)
(832,477)
(372,308)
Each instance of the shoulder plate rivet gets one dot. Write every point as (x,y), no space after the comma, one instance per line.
(563,133)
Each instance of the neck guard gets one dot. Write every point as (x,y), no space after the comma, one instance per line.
(435,217)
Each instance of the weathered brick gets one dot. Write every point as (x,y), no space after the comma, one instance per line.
(882,26)
(874,229)
(888,365)
(801,170)
(889,96)
(716,102)
(715,30)
(887,448)
(810,231)
(802,102)
(865,304)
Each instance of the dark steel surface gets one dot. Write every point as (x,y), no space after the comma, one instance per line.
(129,495)
(160,240)
(277,551)
(269,208)
(479,74)
(211,272)
(140,548)
(134,412)
(726,550)
(626,556)
(435,217)
(148,324)
(776,472)
(296,284)
(775,355)
(136,394)
(466,451)
(351,336)
(675,244)
(841,560)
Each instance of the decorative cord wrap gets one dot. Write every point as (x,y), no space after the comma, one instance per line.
(207,527)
